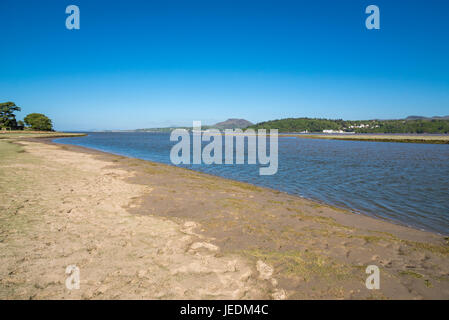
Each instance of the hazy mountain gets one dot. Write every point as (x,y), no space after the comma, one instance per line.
(427,118)
(228,124)
(233,124)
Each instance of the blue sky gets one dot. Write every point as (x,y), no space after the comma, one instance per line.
(137,64)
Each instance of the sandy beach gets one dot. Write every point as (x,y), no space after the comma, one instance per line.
(142,230)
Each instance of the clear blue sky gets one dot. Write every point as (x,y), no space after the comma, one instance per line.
(137,64)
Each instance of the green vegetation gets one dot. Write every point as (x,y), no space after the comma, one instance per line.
(438,139)
(425,125)
(8,150)
(34,121)
(411,273)
(304,264)
(300,125)
(19,134)
(38,121)
(7,116)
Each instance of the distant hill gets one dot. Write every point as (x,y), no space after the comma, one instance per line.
(426,118)
(233,124)
(165,129)
(228,124)
(412,124)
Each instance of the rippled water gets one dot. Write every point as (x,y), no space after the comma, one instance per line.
(404,182)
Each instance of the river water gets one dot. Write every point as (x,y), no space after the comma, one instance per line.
(403,182)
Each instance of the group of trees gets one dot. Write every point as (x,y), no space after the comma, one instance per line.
(427,125)
(33,121)
(408,126)
(299,125)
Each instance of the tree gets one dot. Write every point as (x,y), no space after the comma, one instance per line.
(38,121)
(20,125)
(7,116)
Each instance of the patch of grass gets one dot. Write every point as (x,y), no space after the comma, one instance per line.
(152,170)
(233,203)
(414,245)
(14,189)
(319,219)
(276,202)
(304,264)
(411,274)
(245,186)
(371,239)
(442,250)
(9,150)
(380,138)
(37,134)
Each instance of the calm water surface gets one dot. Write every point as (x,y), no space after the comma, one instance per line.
(404,182)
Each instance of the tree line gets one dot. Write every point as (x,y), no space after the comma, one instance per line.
(33,121)
(358,126)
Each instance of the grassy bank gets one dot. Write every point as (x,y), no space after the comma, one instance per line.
(443,139)
(20,134)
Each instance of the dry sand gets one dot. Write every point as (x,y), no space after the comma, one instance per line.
(141,230)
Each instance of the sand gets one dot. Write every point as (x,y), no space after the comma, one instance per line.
(141,230)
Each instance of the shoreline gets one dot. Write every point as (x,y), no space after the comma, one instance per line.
(381,137)
(317,201)
(313,250)
(38,134)
(88,150)
(369,137)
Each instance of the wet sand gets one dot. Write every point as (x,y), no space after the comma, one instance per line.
(142,230)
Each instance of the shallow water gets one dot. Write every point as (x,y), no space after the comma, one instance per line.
(404,182)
